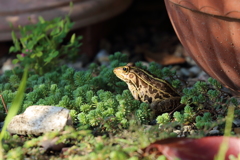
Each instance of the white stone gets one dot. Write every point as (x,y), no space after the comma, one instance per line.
(8,65)
(213,132)
(40,119)
(178,132)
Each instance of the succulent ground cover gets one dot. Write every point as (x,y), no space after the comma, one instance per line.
(108,122)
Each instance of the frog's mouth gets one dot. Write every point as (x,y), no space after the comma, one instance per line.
(120,74)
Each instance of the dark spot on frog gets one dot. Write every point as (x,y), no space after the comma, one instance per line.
(167,96)
(158,96)
(148,99)
(145,85)
(151,90)
(137,83)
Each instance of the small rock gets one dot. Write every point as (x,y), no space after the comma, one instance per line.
(203,76)
(179,51)
(183,131)
(190,60)
(40,119)
(236,121)
(192,132)
(187,128)
(176,68)
(78,65)
(195,70)
(178,132)
(213,132)
(102,57)
(215,128)
(185,72)
(51,144)
(8,65)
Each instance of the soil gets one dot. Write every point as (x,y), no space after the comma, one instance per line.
(144,32)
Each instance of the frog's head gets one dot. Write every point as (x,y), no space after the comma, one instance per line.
(125,73)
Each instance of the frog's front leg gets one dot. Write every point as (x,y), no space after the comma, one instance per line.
(165,105)
(134,92)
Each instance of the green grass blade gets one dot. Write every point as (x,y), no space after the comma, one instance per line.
(16,104)
(227,133)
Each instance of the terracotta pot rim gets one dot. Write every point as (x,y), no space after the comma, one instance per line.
(233,15)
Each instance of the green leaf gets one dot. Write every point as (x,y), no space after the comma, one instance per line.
(51,56)
(40,37)
(15,41)
(54,54)
(41,19)
(20,57)
(16,104)
(39,54)
(15,61)
(55,32)
(32,55)
(12,49)
(71,4)
(73,38)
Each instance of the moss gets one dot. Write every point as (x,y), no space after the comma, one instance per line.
(102,104)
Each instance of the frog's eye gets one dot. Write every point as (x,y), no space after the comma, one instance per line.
(125,69)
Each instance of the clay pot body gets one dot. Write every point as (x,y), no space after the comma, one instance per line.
(210,32)
(83,12)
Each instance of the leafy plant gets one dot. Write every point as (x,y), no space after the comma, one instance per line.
(205,105)
(101,101)
(41,45)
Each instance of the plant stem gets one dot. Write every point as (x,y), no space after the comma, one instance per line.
(4,104)
(227,132)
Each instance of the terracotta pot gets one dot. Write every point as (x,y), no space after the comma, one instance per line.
(83,12)
(210,32)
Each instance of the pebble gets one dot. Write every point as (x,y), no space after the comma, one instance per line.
(185,72)
(78,65)
(7,65)
(37,120)
(179,51)
(214,132)
(194,71)
(184,131)
(190,60)
(178,132)
(203,76)
(236,121)
(102,57)
(175,68)
(187,128)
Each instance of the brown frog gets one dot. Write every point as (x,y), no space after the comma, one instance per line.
(146,87)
